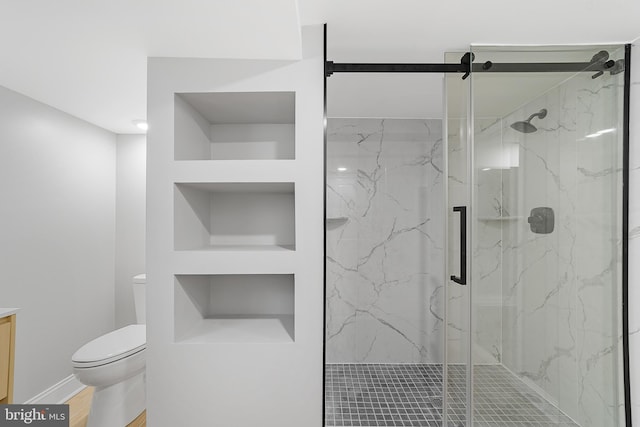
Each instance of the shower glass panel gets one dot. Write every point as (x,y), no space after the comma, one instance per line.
(458,193)
(474,265)
(546,227)
(385,261)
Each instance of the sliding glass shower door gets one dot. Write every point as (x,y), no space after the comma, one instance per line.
(535,164)
(475,266)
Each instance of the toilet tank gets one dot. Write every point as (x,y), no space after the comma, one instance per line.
(139,284)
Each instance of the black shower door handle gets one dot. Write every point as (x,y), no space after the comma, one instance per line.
(462,280)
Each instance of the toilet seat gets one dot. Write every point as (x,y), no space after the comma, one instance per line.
(111,347)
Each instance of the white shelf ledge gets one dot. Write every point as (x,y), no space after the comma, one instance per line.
(241,329)
(244,248)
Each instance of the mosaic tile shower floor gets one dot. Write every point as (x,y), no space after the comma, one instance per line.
(375,395)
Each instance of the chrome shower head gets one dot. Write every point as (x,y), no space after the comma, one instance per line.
(526,126)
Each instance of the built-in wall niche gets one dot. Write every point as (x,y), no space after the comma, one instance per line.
(234,126)
(234,216)
(234,308)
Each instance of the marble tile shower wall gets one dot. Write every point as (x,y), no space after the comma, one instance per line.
(561,323)
(385,230)
(487,255)
(492,162)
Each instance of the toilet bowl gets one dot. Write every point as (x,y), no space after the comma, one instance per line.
(114,364)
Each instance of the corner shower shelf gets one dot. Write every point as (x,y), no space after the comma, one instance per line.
(234,216)
(253,308)
(335,222)
(234,126)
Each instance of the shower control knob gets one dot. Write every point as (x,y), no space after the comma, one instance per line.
(541,220)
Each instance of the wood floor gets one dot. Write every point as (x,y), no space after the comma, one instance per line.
(80,404)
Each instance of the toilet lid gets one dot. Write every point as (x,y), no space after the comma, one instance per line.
(111,347)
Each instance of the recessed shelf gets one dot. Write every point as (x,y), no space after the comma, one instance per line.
(234,126)
(234,308)
(234,216)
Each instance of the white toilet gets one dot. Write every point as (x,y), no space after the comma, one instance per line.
(115,365)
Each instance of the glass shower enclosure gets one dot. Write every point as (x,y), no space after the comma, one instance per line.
(475,264)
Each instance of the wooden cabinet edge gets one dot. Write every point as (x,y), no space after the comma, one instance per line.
(12,351)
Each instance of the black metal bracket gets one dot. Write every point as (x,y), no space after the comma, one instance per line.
(466,61)
(599,64)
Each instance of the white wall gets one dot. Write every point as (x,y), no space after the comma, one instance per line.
(256,380)
(385,95)
(57,236)
(131,163)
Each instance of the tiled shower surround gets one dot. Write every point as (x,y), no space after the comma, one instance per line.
(555,320)
(384,241)
(546,306)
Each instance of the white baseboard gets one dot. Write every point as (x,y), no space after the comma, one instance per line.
(58,393)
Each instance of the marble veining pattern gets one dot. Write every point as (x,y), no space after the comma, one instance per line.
(384,241)
(561,324)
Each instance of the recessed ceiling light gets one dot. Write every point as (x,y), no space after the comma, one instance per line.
(141,124)
(342,169)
